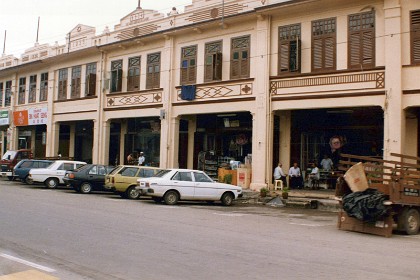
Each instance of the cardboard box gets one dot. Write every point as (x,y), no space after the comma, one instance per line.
(244,177)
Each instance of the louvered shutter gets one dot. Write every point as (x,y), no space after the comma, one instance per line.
(91,82)
(368,48)
(284,56)
(415,37)
(184,73)
(244,65)
(329,53)
(317,56)
(354,52)
(192,70)
(218,61)
(208,71)
(119,79)
(234,66)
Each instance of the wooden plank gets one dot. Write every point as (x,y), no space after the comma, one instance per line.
(405,156)
(382,228)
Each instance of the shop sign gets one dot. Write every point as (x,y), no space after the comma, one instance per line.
(4,118)
(30,117)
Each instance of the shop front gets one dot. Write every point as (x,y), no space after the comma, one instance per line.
(313,134)
(142,135)
(4,130)
(31,129)
(222,143)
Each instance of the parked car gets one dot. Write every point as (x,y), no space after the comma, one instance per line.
(21,170)
(173,185)
(10,159)
(53,175)
(123,179)
(87,178)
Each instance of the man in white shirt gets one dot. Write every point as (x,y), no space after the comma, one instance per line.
(313,177)
(141,159)
(326,163)
(279,174)
(295,177)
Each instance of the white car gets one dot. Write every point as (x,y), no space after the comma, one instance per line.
(172,185)
(53,175)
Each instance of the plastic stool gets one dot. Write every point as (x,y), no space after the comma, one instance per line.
(278,184)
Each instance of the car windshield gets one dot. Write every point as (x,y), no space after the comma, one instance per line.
(162,173)
(9,155)
(115,170)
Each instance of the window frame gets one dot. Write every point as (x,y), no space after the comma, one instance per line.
(62,83)
(22,90)
(43,87)
(76,74)
(133,73)
(8,94)
(32,89)
(289,43)
(116,75)
(240,66)
(361,50)
(90,79)
(323,42)
(213,61)
(188,63)
(415,37)
(152,75)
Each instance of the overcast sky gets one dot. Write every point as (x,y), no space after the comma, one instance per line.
(57,17)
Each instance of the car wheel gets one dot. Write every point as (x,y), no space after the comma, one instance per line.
(227,199)
(411,221)
(85,187)
(157,199)
(51,183)
(132,193)
(28,180)
(171,197)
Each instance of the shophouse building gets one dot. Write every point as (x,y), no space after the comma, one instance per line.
(258,81)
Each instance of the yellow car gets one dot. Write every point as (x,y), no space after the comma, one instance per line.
(123,179)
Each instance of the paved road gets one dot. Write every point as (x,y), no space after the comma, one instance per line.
(101,236)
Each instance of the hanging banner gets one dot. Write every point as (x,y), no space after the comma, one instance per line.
(31,117)
(4,118)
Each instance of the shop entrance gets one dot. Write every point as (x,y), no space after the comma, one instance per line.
(360,131)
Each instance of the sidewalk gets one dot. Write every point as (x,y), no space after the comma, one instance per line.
(323,200)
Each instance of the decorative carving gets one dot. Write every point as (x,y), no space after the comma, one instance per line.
(129,32)
(134,99)
(220,91)
(377,77)
(215,12)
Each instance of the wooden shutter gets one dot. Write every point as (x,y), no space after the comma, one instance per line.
(244,64)
(354,51)
(415,37)
(119,79)
(329,48)
(209,67)
(192,70)
(234,66)
(91,82)
(184,72)
(217,61)
(284,57)
(368,48)
(317,57)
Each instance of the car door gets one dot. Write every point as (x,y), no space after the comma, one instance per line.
(93,176)
(183,182)
(205,188)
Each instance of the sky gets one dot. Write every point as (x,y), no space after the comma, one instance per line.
(19,18)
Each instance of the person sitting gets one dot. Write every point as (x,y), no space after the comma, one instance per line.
(326,163)
(313,178)
(279,174)
(295,177)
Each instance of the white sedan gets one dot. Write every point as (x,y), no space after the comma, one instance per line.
(172,185)
(53,175)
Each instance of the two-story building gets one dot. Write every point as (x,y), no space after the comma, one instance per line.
(257,81)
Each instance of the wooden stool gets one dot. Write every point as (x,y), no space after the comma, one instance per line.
(278,184)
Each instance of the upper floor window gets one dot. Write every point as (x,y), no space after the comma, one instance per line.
(22,90)
(76,73)
(188,65)
(62,84)
(153,71)
(90,79)
(289,49)
(324,44)
(43,87)
(8,94)
(361,38)
(1,94)
(32,89)
(239,65)
(213,62)
(116,75)
(415,36)
(133,77)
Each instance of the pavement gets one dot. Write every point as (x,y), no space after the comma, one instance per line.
(323,200)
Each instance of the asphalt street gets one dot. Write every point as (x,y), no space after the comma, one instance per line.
(68,235)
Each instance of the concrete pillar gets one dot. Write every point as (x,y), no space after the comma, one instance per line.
(72,140)
(14,132)
(33,136)
(192,127)
(173,148)
(124,128)
(106,134)
(285,136)
(394,120)
(261,117)
(53,137)
(97,139)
